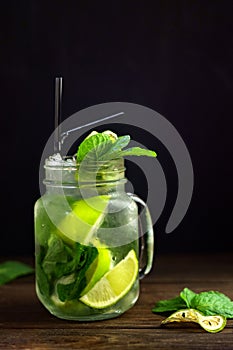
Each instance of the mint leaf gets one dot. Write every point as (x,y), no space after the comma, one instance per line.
(213,303)
(57,262)
(177,303)
(187,295)
(169,305)
(85,255)
(115,150)
(102,147)
(120,143)
(10,270)
(209,303)
(137,151)
(93,147)
(58,259)
(56,251)
(42,281)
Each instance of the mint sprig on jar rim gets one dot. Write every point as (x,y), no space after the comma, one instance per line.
(106,145)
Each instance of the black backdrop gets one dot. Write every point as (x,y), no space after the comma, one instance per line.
(172,56)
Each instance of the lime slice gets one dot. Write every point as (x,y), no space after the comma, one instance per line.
(184,315)
(98,268)
(81,224)
(114,285)
(212,324)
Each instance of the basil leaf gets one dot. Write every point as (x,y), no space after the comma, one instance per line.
(169,305)
(187,295)
(213,303)
(10,270)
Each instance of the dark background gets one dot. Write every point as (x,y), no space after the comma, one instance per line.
(172,56)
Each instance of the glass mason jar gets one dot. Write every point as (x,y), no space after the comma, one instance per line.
(87,226)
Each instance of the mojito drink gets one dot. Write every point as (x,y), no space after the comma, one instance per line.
(86,232)
(91,280)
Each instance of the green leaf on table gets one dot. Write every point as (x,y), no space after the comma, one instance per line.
(213,303)
(209,303)
(187,295)
(169,305)
(9,270)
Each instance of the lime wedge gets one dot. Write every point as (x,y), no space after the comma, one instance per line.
(98,268)
(114,285)
(81,224)
(212,324)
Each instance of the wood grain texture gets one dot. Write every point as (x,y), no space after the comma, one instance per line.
(25,324)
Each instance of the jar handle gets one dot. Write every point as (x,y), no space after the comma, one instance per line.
(146,237)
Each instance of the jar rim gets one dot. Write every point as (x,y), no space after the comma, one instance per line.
(57,161)
(67,170)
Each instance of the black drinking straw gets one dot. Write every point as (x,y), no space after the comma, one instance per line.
(58,115)
(58,136)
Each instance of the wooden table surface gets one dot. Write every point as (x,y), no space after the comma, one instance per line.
(25,324)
